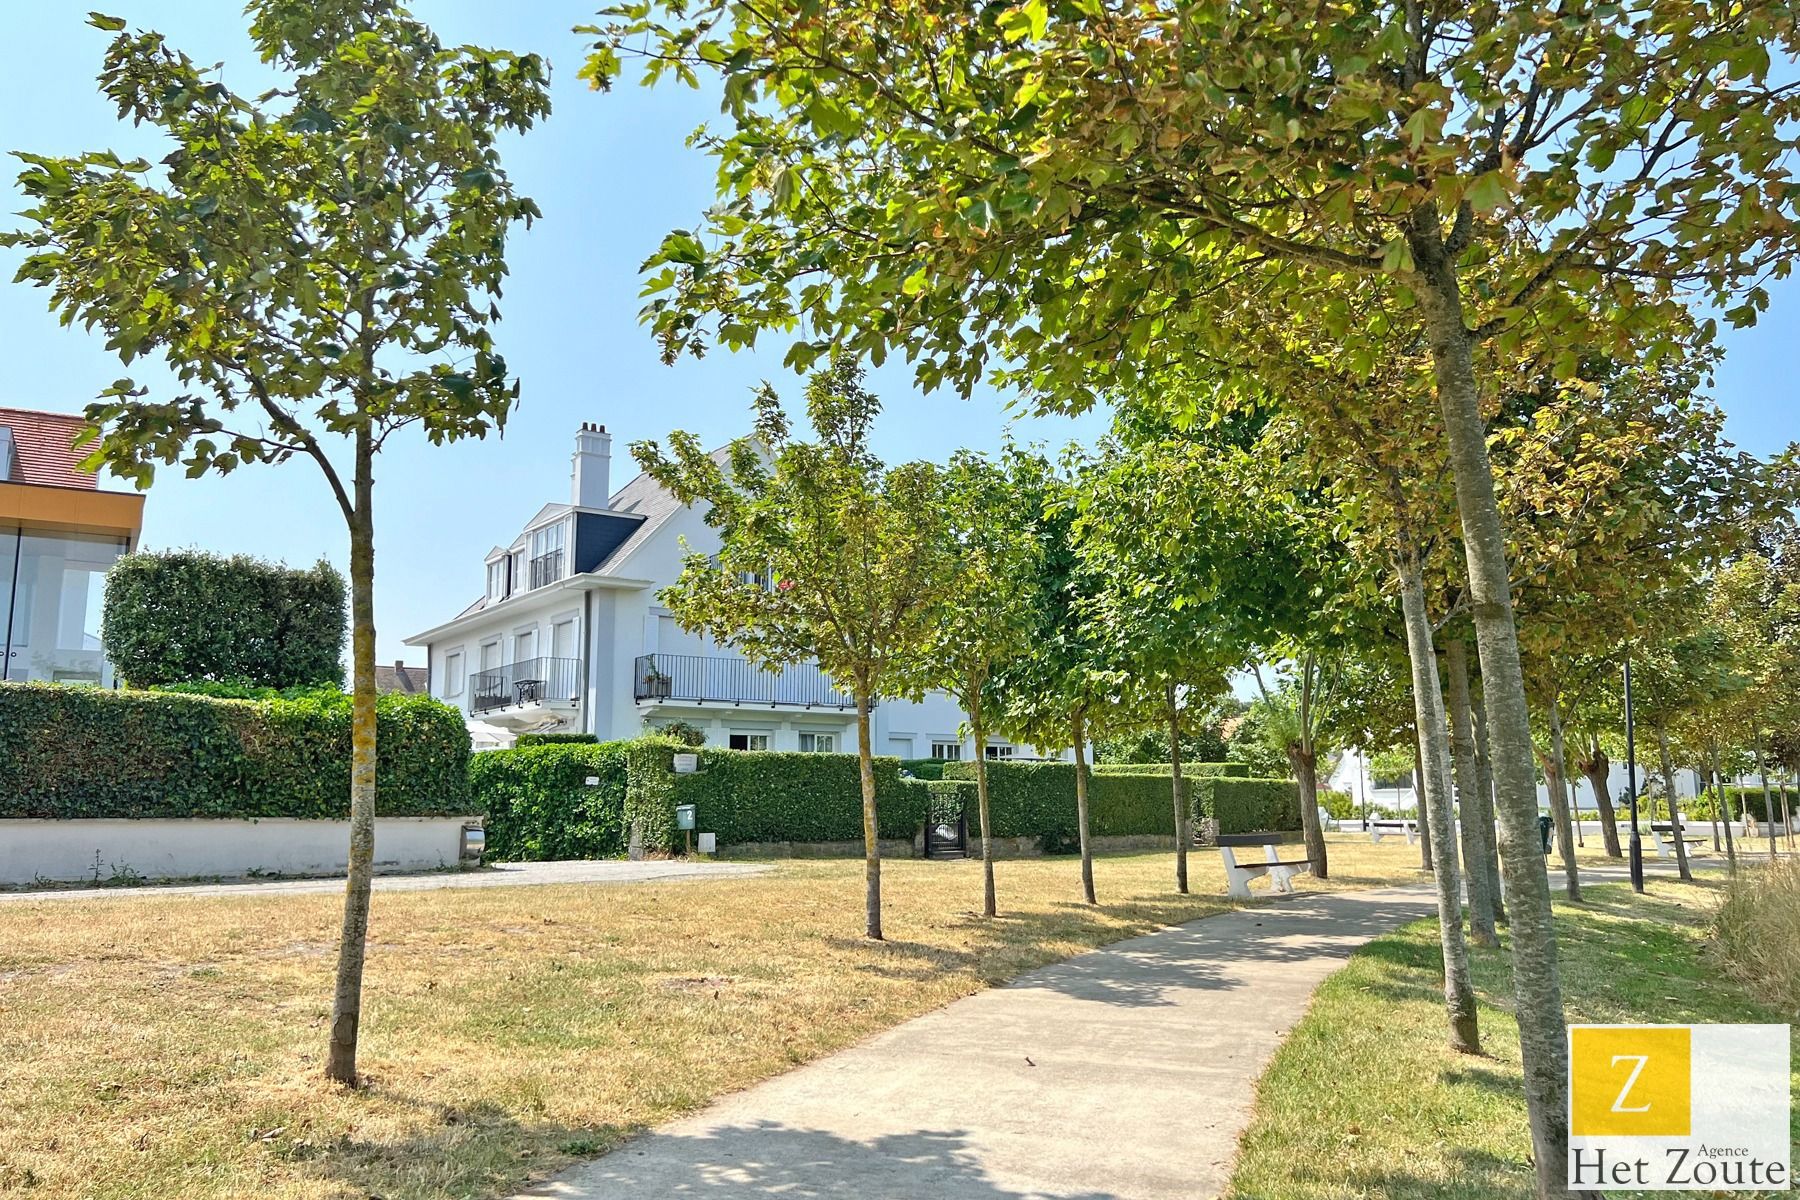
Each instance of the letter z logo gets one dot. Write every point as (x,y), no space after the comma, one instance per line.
(1630,1080)
(1640,1060)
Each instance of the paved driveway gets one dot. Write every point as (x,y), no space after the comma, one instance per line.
(503,875)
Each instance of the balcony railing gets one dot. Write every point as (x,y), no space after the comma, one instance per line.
(546,569)
(702,678)
(529,681)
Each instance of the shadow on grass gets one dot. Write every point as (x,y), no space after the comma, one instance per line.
(477,1149)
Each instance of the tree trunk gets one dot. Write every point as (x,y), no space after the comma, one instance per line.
(1598,770)
(1724,813)
(1484,773)
(1434,801)
(1543,1036)
(1711,786)
(1425,863)
(1559,804)
(1305,761)
(1477,821)
(1181,819)
(1078,728)
(989,901)
(346,1004)
(1768,805)
(1668,770)
(865,763)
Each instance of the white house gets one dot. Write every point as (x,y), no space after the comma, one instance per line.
(569,636)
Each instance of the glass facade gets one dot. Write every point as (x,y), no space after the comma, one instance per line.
(51,588)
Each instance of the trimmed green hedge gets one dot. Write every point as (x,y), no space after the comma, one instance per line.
(1037,799)
(540,806)
(770,796)
(525,740)
(1247,805)
(1194,769)
(1736,798)
(71,752)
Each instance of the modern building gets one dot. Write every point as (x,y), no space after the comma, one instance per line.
(59,534)
(569,636)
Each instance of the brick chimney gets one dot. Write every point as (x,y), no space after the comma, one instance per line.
(591,485)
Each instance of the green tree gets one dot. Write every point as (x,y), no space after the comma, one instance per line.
(1187,579)
(178,616)
(1050,695)
(1076,189)
(825,554)
(985,615)
(319,267)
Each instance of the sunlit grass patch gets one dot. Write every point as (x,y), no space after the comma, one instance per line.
(1366,1099)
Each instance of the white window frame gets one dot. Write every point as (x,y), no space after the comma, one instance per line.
(955,748)
(498,644)
(496,586)
(750,741)
(456,677)
(830,740)
(999,752)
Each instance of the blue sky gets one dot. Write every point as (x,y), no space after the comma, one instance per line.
(612,174)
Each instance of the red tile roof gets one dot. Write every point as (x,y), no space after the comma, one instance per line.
(44,443)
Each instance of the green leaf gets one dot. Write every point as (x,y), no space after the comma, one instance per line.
(102,21)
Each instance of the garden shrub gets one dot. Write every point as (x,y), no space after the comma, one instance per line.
(180,615)
(555,739)
(1736,798)
(73,752)
(1753,933)
(1340,805)
(540,806)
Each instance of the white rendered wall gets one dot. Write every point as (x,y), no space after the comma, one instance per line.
(71,851)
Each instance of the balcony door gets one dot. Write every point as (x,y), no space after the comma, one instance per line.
(562,639)
(525,646)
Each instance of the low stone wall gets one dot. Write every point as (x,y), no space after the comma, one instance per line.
(33,851)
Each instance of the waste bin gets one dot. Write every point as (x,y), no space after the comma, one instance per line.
(1544,831)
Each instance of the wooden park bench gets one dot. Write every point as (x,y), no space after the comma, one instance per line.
(1663,833)
(1281,871)
(1390,827)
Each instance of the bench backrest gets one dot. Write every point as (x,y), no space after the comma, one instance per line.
(1272,837)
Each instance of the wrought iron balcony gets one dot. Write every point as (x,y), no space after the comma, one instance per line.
(533,681)
(700,679)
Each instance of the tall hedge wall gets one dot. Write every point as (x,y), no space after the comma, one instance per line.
(540,806)
(178,615)
(772,796)
(68,752)
(1037,799)
(1247,805)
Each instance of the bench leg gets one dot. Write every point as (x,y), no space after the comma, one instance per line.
(1237,880)
(1412,836)
(1374,837)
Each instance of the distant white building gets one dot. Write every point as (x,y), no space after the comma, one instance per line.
(569,636)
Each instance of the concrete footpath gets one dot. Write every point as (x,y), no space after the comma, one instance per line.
(501,875)
(1124,1074)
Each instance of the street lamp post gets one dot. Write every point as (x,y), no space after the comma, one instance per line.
(1631,789)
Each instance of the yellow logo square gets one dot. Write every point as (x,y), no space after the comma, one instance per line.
(1631,1080)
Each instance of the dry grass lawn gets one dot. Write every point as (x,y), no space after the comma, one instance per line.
(171,1046)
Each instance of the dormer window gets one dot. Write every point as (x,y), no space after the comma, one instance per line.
(496,587)
(547,554)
